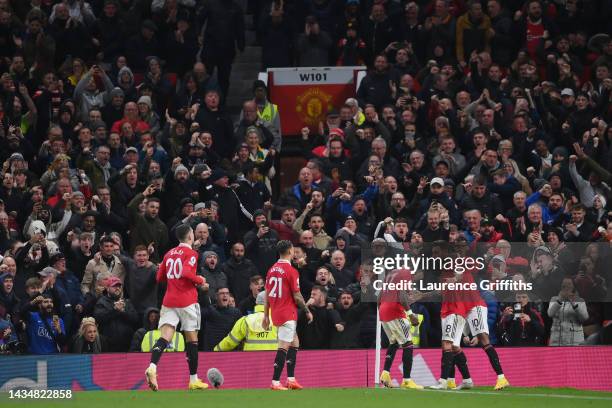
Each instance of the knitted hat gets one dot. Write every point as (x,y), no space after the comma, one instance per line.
(180,168)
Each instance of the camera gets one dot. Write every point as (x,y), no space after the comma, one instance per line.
(518,310)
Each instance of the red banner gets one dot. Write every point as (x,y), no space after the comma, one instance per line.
(306,95)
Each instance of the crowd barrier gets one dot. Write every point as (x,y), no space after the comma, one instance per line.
(588,368)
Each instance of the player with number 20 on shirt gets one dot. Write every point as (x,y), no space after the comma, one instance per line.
(180,304)
(283,298)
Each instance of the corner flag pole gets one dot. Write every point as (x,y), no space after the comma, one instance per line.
(378,347)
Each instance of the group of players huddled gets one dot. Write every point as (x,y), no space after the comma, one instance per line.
(282,301)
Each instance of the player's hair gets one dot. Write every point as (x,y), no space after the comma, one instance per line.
(182,232)
(283,247)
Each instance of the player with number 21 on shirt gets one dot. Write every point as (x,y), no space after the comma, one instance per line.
(283,298)
(180,304)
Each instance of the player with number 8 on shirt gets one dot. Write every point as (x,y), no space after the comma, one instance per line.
(180,304)
(283,298)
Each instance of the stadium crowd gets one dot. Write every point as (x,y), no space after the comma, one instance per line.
(479,124)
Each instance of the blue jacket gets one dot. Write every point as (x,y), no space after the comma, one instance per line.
(39,339)
(548,217)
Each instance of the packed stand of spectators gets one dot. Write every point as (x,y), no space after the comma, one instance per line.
(478,124)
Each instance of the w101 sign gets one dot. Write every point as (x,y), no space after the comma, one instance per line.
(306,95)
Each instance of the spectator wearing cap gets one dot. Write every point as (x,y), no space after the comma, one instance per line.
(313,46)
(147,228)
(68,283)
(437,194)
(116,316)
(260,242)
(103,266)
(231,214)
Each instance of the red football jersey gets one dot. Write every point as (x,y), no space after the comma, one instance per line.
(460,301)
(390,307)
(178,268)
(282,281)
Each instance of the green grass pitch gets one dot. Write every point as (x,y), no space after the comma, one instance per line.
(328,397)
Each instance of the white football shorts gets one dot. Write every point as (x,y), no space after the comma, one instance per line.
(189,317)
(452,328)
(287,331)
(477,320)
(398,331)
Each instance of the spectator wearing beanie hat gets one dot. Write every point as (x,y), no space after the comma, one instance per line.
(210,268)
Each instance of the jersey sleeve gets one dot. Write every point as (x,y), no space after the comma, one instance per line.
(190,267)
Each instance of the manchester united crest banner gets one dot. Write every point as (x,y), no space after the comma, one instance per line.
(306,95)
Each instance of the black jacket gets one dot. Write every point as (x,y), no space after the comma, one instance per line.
(118,327)
(238,275)
(217,323)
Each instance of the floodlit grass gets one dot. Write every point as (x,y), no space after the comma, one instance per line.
(328,397)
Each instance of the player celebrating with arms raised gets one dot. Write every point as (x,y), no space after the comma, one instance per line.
(180,304)
(283,297)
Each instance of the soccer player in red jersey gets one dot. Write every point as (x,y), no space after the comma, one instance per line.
(180,304)
(393,306)
(457,307)
(283,298)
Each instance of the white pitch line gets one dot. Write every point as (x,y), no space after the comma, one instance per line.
(562,396)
